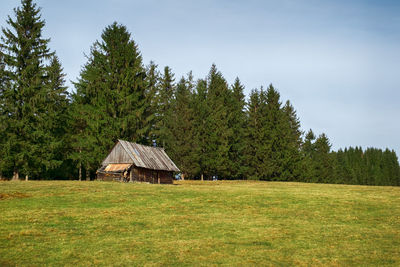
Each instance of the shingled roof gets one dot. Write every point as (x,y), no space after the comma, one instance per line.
(142,156)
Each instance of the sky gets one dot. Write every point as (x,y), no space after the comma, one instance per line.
(338,62)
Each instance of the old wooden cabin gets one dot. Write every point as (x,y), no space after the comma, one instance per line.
(134,162)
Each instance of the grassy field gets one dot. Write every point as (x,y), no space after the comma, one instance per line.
(195,223)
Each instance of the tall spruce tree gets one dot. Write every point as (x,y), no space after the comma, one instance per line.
(29,101)
(217,125)
(237,124)
(254,138)
(272,137)
(152,85)
(394,168)
(291,138)
(322,161)
(56,117)
(273,130)
(308,155)
(4,165)
(183,148)
(341,168)
(110,96)
(81,136)
(164,98)
(201,111)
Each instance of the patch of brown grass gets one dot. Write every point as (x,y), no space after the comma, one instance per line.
(4,196)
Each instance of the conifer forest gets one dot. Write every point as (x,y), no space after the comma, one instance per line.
(208,126)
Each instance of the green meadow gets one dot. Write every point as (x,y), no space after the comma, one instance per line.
(190,223)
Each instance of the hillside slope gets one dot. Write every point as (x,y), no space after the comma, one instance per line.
(233,223)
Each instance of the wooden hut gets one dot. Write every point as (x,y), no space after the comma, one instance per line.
(133,162)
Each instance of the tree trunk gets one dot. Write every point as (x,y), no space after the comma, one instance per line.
(80,164)
(26,177)
(15,175)
(80,172)
(87,175)
(202,177)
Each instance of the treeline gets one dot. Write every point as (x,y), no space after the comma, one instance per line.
(371,167)
(206,126)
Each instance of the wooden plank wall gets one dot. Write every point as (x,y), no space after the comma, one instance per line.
(140,175)
(109,177)
(152,176)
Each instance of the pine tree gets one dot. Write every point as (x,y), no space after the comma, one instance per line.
(201,111)
(358,166)
(152,85)
(81,137)
(237,124)
(55,116)
(274,130)
(164,98)
(394,169)
(323,165)
(291,144)
(111,96)
(4,83)
(272,145)
(28,99)
(253,157)
(217,125)
(308,151)
(395,178)
(183,148)
(341,171)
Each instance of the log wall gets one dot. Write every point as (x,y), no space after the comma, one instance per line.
(140,175)
(109,176)
(152,176)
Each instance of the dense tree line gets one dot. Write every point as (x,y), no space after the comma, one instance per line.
(33,97)
(206,126)
(371,166)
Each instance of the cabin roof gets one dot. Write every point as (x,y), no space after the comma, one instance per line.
(142,156)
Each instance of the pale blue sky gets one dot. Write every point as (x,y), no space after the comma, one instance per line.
(336,61)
